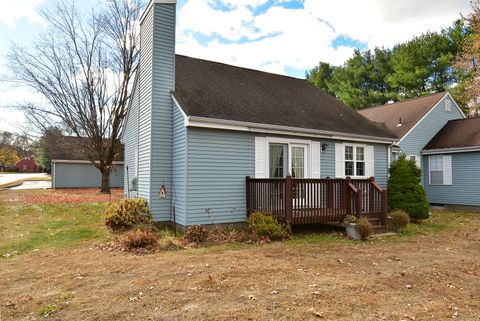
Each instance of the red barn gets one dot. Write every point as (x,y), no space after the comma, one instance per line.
(27,165)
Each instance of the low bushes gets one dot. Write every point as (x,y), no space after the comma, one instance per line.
(267,225)
(128,213)
(365,228)
(139,239)
(197,234)
(398,221)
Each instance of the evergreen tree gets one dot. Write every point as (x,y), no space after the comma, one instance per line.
(405,191)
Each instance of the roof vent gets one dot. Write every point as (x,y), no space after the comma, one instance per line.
(399,122)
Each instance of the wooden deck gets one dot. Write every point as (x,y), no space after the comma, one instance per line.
(310,201)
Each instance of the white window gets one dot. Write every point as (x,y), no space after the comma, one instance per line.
(416,159)
(440,169)
(279,157)
(354,160)
(278,160)
(287,159)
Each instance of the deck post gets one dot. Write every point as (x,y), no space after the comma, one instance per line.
(329,193)
(348,194)
(358,209)
(371,199)
(289,200)
(248,195)
(383,215)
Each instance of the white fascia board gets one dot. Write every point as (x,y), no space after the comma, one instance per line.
(451,150)
(456,105)
(150,6)
(71,161)
(422,119)
(204,122)
(185,117)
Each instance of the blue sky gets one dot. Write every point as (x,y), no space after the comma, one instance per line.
(281,36)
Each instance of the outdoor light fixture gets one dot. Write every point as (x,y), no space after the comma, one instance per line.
(324,146)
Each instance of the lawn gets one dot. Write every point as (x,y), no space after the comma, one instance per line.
(430,272)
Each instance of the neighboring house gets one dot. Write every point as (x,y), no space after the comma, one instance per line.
(2,167)
(72,169)
(27,165)
(415,121)
(451,162)
(195,129)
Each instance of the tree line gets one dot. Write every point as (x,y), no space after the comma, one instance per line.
(423,65)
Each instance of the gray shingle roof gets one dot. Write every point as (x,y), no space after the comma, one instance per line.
(410,111)
(457,134)
(215,90)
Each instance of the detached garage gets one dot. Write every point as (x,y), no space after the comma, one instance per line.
(72,169)
(81,173)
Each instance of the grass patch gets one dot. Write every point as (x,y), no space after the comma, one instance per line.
(35,226)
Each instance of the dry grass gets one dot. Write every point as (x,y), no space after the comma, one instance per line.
(432,272)
(59,196)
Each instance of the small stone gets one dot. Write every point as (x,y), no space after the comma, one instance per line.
(409,286)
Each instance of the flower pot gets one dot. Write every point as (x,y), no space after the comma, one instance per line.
(353,232)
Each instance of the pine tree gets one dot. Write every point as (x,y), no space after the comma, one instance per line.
(405,191)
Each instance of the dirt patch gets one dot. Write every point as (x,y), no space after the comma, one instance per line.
(429,277)
(60,196)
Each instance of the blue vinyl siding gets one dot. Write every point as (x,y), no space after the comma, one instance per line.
(162,84)
(179,167)
(327,160)
(218,162)
(465,178)
(156,82)
(415,141)
(381,164)
(130,140)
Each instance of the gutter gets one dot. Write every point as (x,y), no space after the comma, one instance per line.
(205,122)
(451,150)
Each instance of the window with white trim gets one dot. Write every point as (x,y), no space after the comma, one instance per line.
(354,160)
(436,170)
(288,158)
(440,169)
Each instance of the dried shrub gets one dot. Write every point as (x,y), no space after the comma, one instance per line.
(399,220)
(266,225)
(139,239)
(127,213)
(365,228)
(196,233)
(230,234)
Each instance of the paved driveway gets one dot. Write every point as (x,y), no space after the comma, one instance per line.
(8,178)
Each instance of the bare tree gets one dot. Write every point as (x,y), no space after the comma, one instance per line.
(83,66)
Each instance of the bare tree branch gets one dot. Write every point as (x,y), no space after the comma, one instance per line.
(84,67)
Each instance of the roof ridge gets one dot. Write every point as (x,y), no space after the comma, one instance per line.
(403,101)
(467,118)
(244,68)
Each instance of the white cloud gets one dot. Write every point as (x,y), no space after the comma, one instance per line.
(13,10)
(280,39)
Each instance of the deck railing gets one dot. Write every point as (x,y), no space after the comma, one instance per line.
(306,201)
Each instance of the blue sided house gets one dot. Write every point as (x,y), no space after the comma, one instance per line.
(208,143)
(446,146)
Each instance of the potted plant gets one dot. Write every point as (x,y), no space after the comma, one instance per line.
(350,222)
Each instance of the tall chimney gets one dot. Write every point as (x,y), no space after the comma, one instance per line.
(155,84)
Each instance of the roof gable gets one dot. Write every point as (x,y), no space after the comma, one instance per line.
(224,92)
(410,112)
